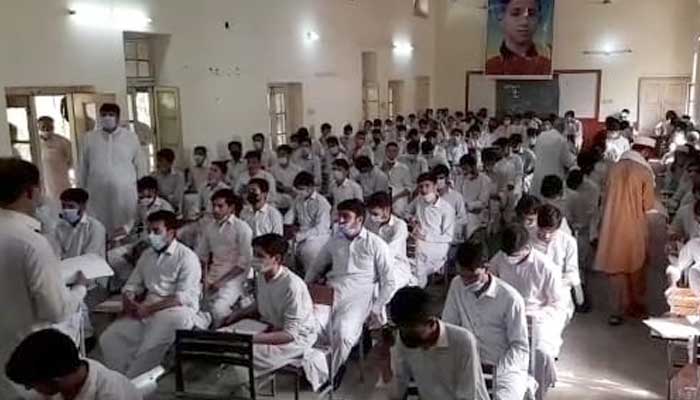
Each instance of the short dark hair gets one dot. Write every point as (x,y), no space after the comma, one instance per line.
(226,194)
(305,140)
(347,128)
(612,124)
(258,136)
(413,145)
(501,142)
(391,144)
(342,164)
(355,206)
(574,179)
(514,238)
(169,218)
(549,216)
(272,244)
(468,159)
(363,162)
(411,305)
(77,195)
(376,131)
(260,183)
(253,155)
(285,148)
(304,178)
(470,255)
(552,186)
(527,205)
(570,113)
(235,143)
(16,176)
(200,149)
(515,139)
(45,118)
(110,108)
(426,176)
(441,169)
(380,200)
(325,126)
(147,183)
(221,165)
(427,147)
(431,135)
(166,154)
(332,141)
(43,356)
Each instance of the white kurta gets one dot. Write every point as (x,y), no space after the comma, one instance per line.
(497,319)
(395,234)
(373,182)
(88,236)
(109,168)
(553,158)
(206,192)
(313,216)
(103,384)
(347,190)
(171,187)
(685,223)
(56,161)
(266,220)
(476,193)
(563,251)
(437,224)
(31,284)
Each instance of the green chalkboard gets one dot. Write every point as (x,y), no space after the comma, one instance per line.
(519,96)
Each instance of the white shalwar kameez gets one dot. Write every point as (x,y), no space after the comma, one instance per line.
(109,167)
(685,224)
(266,220)
(132,346)
(563,250)
(31,284)
(373,182)
(437,223)
(476,193)
(537,282)
(399,182)
(313,215)
(284,175)
(496,317)
(554,157)
(395,234)
(103,384)
(358,265)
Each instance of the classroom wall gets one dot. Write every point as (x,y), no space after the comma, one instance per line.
(661,34)
(265,43)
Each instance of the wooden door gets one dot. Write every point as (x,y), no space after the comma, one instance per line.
(422,94)
(658,95)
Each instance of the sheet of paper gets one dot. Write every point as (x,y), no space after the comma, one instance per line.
(246,327)
(673,328)
(92,266)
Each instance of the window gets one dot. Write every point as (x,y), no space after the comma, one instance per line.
(140,112)
(277,105)
(137,54)
(19,132)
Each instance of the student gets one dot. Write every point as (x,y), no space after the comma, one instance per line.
(311,215)
(615,144)
(370,177)
(342,187)
(688,261)
(494,312)
(197,174)
(428,153)
(347,139)
(215,182)
(259,214)
(360,147)
(282,301)
(684,192)
(426,345)
(255,170)
(267,157)
(56,158)
(439,153)
(235,166)
(77,233)
(453,198)
(534,276)
(476,190)
(168,274)
(29,280)
(526,213)
(225,250)
(552,192)
(149,201)
(378,146)
(332,152)
(394,231)
(416,164)
(553,156)
(433,223)
(359,262)
(456,147)
(308,161)
(527,157)
(573,130)
(399,176)
(48,362)
(171,182)
(561,248)
(581,207)
(284,172)
(319,146)
(401,137)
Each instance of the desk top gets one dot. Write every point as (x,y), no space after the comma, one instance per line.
(672,328)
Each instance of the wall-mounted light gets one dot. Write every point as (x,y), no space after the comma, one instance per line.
(403,48)
(311,36)
(119,18)
(607,52)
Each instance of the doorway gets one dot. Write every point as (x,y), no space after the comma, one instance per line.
(422,93)
(285,106)
(394,98)
(659,95)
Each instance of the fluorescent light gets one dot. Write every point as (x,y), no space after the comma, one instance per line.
(111,17)
(607,52)
(312,36)
(403,48)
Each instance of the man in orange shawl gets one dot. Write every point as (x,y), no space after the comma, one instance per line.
(622,244)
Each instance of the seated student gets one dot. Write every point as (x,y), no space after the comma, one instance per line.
(77,233)
(687,182)
(442,359)
(427,150)
(160,297)
(359,261)
(254,170)
(552,192)
(259,214)
(527,157)
(347,139)
(561,248)
(399,175)
(526,213)
(332,152)
(311,215)
(283,302)
(360,147)
(235,166)
(284,173)
(308,161)
(686,223)
(342,187)
(394,231)
(456,147)
(476,190)
(48,362)
(267,157)
(215,182)
(416,164)
(370,178)
(378,146)
(150,201)
(198,174)
(688,260)
(439,153)
(225,250)
(534,276)
(494,312)
(401,138)
(171,182)
(693,195)
(433,222)
(454,198)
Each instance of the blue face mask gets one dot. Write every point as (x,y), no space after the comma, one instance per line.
(71,215)
(157,242)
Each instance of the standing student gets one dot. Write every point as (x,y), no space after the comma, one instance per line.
(454,199)
(615,144)
(553,156)
(259,214)
(198,173)
(476,190)
(56,158)
(171,182)
(109,168)
(267,157)
(426,345)
(581,207)
(399,176)
(574,129)
(29,278)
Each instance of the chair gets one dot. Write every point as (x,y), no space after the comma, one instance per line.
(215,348)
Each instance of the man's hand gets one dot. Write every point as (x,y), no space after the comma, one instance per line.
(141,311)
(129,305)
(418,232)
(81,280)
(579,298)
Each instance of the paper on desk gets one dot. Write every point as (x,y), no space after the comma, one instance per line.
(672,328)
(92,266)
(246,327)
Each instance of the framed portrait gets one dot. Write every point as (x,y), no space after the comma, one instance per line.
(520,39)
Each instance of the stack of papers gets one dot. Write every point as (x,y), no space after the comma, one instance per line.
(91,265)
(246,327)
(673,328)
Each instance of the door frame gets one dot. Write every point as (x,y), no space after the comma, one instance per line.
(661,78)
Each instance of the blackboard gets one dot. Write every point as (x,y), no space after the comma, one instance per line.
(519,96)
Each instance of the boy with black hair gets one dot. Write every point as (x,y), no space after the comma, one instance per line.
(171,182)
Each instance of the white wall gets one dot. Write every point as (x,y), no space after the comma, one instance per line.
(265,44)
(661,34)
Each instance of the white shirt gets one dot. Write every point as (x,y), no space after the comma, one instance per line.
(685,223)
(416,165)
(30,285)
(174,272)
(509,171)
(365,260)
(159,204)
(394,233)
(497,319)
(455,199)
(286,175)
(399,177)
(313,215)
(456,151)
(171,186)
(347,190)
(563,250)
(207,191)
(536,280)
(436,220)
(476,192)
(197,177)
(373,182)
(234,169)
(312,165)
(553,158)
(88,236)
(230,245)
(581,205)
(102,384)
(616,147)
(266,220)
(689,258)
(241,184)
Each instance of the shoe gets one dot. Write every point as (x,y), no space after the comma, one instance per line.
(615,320)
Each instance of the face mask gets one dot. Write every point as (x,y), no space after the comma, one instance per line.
(199,160)
(338,175)
(334,150)
(252,198)
(441,183)
(157,242)
(283,161)
(258,265)
(109,122)
(346,230)
(474,286)
(430,197)
(304,194)
(71,215)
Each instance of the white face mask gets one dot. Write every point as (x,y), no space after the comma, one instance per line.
(474,286)
(71,215)
(198,159)
(108,122)
(157,242)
